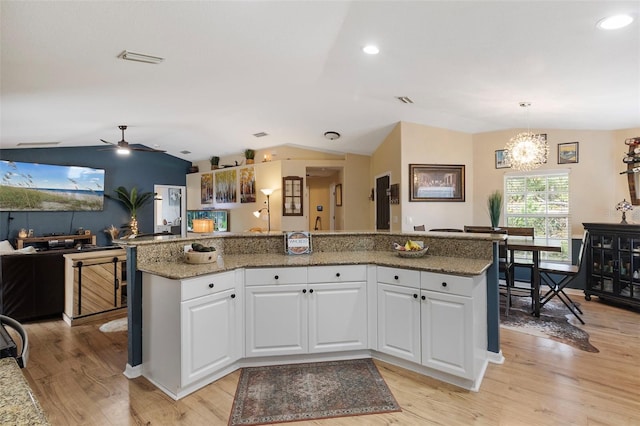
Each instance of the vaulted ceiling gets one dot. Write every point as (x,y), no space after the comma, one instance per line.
(295,69)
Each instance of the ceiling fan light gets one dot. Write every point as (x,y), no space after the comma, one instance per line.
(123,151)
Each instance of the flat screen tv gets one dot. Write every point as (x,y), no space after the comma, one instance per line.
(47,187)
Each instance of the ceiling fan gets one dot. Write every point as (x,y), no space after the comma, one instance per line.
(123,147)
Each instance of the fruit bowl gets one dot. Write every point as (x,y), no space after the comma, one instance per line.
(412,253)
(197,257)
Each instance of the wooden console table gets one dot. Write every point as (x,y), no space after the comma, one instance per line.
(87,239)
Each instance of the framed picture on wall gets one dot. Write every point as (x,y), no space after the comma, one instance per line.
(502,162)
(568,153)
(436,182)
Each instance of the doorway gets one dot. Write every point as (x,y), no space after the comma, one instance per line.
(321,186)
(169,210)
(383,213)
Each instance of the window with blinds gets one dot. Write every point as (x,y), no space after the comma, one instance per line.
(540,200)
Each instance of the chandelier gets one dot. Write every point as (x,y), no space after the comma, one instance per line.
(527,151)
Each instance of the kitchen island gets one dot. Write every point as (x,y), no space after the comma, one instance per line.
(377,277)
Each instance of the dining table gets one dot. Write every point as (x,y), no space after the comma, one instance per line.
(535,246)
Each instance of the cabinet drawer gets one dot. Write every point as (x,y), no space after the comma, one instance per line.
(443,283)
(271,276)
(337,273)
(403,277)
(207,284)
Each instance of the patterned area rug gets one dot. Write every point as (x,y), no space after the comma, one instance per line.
(553,322)
(294,392)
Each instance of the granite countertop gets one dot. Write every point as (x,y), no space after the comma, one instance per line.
(178,269)
(18,405)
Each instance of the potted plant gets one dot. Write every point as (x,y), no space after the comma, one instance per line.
(214,162)
(249,154)
(494,203)
(132,202)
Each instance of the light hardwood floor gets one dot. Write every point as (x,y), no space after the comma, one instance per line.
(76,374)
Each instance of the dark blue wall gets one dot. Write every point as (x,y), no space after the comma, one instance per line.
(139,169)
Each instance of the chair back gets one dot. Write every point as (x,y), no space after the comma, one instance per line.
(446,230)
(518,231)
(418,228)
(583,248)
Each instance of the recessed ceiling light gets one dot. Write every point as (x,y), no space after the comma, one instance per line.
(371,49)
(139,57)
(615,22)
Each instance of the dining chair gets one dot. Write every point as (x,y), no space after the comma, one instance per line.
(558,275)
(521,231)
(504,265)
(418,228)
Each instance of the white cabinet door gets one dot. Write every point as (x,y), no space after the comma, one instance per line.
(337,316)
(447,333)
(399,321)
(210,333)
(276,320)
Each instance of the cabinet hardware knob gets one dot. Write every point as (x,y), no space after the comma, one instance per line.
(311,291)
(415,296)
(423,298)
(338,275)
(276,277)
(210,285)
(444,284)
(233,296)
(395,277)
(304,290)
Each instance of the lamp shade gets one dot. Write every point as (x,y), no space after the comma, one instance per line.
(202,225)
(267,191)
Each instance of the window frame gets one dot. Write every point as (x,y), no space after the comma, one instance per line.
(565,255)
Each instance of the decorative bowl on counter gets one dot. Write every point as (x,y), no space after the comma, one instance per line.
(412,253)
(198,257)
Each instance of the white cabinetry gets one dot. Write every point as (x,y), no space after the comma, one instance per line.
(288,313)
(399,313)
(337,308)
(435,320)
(453,322)
(192,330)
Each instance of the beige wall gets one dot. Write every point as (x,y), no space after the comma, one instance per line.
(431,145)
(354,213)
(387,159)
(596,183)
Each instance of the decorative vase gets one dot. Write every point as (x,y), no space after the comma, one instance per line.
(250,161)
(133,225)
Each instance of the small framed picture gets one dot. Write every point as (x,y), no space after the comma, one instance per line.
(501,159)
(568,153)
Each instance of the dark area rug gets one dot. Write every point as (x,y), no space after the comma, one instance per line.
(294,392)
(553,322)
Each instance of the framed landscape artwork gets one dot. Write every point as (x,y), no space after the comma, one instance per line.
(501,159)
(436,182)
(568,153)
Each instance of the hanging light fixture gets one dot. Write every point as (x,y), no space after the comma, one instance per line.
(527,151)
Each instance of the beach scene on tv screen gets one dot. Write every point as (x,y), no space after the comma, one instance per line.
(48,187)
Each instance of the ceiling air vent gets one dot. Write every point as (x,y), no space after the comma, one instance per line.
(37,143)
(260,134)
(185,152)
(404,99)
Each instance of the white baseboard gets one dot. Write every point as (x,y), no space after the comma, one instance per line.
(495,358)
(132,372)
